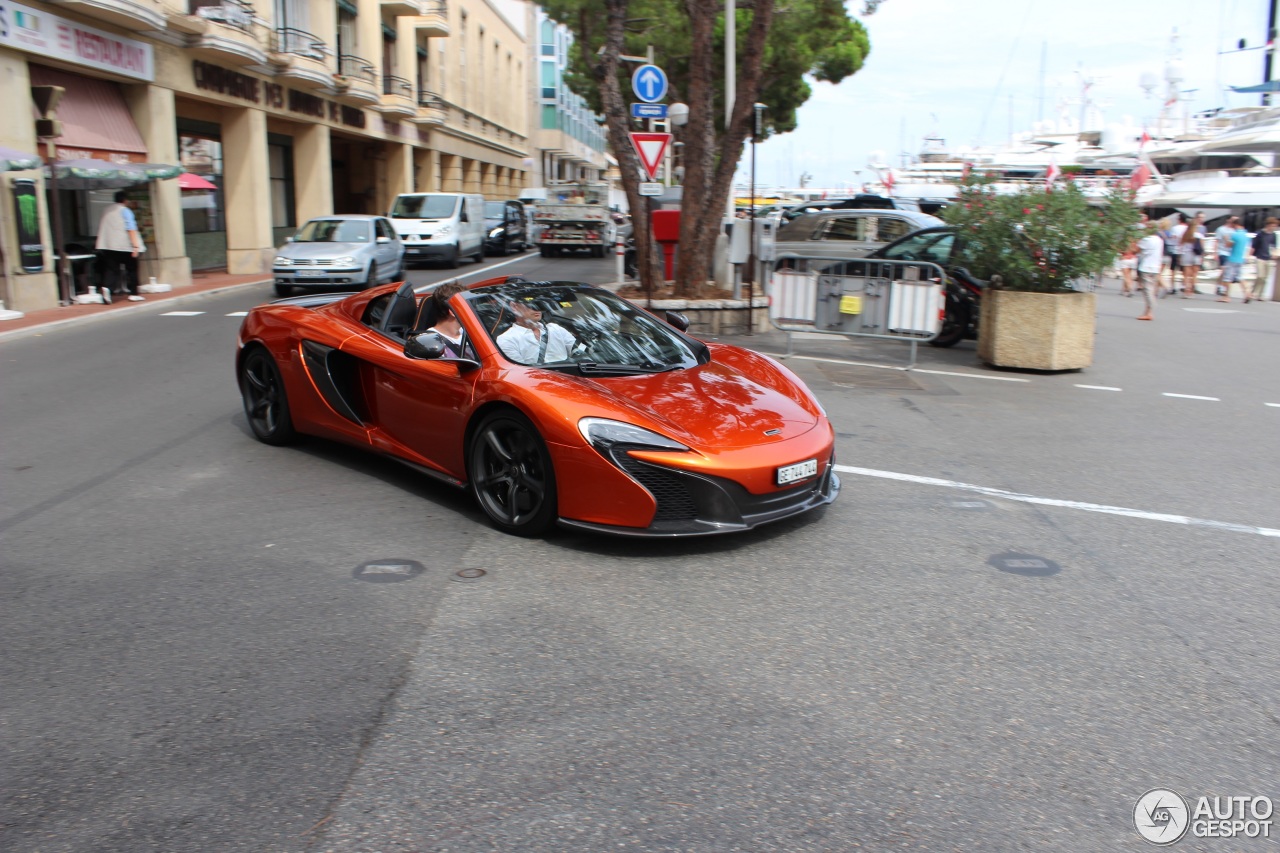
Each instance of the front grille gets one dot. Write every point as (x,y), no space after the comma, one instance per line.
(674,501)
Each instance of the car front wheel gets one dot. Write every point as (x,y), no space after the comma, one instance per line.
(511,474)
(265,403)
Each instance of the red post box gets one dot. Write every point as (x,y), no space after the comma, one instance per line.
(666,230)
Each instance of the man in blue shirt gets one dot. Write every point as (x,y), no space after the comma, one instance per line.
(1235,261)
(119,245)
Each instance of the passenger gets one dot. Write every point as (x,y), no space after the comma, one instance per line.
(447,325)
(531,341)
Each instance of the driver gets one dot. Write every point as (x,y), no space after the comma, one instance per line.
(531,341)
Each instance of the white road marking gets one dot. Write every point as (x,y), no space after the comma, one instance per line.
(1274,405)
(182,314)
(238,314)
(1192,397)
(914,370)
(1099,387)
(1211,310)
(422,287)
(1087,507)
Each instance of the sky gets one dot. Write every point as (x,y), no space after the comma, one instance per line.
(969,70)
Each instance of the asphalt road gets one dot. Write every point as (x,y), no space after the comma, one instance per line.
(191,663)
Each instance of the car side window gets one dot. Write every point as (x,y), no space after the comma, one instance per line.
(891,229)
(385,229)
(846,228)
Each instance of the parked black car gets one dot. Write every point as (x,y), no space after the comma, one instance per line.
(505,227)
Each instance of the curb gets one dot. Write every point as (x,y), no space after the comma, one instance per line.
(125,310)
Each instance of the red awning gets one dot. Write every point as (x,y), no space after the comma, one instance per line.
(96,122)
(188,181)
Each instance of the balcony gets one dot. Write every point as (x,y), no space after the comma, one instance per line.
(229,32)
(433,18)
(397,97)
(136,15)
(301,57)
(357,81)
(431,109)
(400,7)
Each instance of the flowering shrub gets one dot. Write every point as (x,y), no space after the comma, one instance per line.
(1038,239)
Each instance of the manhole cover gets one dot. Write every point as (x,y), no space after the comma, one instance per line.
(1027,565)
(468,575)
(388,571)
(868,377)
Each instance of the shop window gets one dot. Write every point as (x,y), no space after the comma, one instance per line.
(280,159)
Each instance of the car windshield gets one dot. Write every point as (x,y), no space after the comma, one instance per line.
(494,209)
(934,247)
(424,207)
(335,231)
(579,328)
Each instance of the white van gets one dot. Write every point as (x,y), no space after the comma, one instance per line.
(440,226)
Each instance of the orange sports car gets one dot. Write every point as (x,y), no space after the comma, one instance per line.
(551,401)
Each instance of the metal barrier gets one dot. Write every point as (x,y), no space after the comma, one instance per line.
(889,300)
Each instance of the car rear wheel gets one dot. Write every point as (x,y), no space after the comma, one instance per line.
(265,403)
(511,474)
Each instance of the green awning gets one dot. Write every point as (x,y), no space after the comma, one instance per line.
(348,7)
(389,32)
(422,52)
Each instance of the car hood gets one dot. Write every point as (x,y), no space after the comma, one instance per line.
(734,401)
(322,250)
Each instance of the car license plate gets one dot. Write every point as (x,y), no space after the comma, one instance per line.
(311,273)
(799,471)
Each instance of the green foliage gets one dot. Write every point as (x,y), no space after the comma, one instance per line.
(814,38)
(1037,239)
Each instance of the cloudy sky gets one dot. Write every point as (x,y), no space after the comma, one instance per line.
(968,70)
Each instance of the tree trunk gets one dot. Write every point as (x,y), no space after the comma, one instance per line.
(711,163)
(648,259)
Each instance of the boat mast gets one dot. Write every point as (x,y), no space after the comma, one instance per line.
(1270,51)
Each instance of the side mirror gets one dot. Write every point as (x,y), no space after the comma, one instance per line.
(680,321)
(426,345)
(384,239)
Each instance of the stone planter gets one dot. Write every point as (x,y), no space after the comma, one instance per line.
(709,317)
(1037,331)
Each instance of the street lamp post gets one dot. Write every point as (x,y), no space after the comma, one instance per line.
(751,252)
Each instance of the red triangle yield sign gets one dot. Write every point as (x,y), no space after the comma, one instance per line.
(651,147)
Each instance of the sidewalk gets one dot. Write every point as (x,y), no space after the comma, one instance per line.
(201,283)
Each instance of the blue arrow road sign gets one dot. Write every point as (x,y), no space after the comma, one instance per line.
(649,83)
(648,110)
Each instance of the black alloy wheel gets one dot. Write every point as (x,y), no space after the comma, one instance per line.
(371,280)
(511,474)
(265,402)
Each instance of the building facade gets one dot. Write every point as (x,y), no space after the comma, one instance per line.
(568,138)
(276,112)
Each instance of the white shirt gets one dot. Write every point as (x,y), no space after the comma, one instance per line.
(1150,253)
(521,345)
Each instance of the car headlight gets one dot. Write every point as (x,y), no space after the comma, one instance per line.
(604,434)
(443,230)
(344,261)
(496,233)
(282,261)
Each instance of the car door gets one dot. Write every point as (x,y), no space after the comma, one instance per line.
(847,236)
(418,409)
(389,248)
(515,224)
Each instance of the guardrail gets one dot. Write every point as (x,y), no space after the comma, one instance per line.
(300,43)
(392,85)
(355,66)
(888,300)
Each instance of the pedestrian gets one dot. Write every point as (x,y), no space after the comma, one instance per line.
(1169,232)
(117,247)
(1150,262)
(1239,242)
(1190,253)
(1264,252)
(1222,236)
(1128,266)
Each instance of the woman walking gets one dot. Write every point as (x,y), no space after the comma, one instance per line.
(1190,254)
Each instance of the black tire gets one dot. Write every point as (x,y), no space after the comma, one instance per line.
(266,404)
(478,257)
(284,290)
(371,280)
(511,475)
(452,260)
(545,251)
(955,323)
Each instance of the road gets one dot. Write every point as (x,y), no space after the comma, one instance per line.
(1038,597)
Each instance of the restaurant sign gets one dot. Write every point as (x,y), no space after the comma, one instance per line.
(233,84)
(24,28)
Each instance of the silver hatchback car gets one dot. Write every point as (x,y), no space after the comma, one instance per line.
(346,252)
(847,234)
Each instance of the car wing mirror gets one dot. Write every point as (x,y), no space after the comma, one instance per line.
(680,321)
(384,239)
(425,345)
